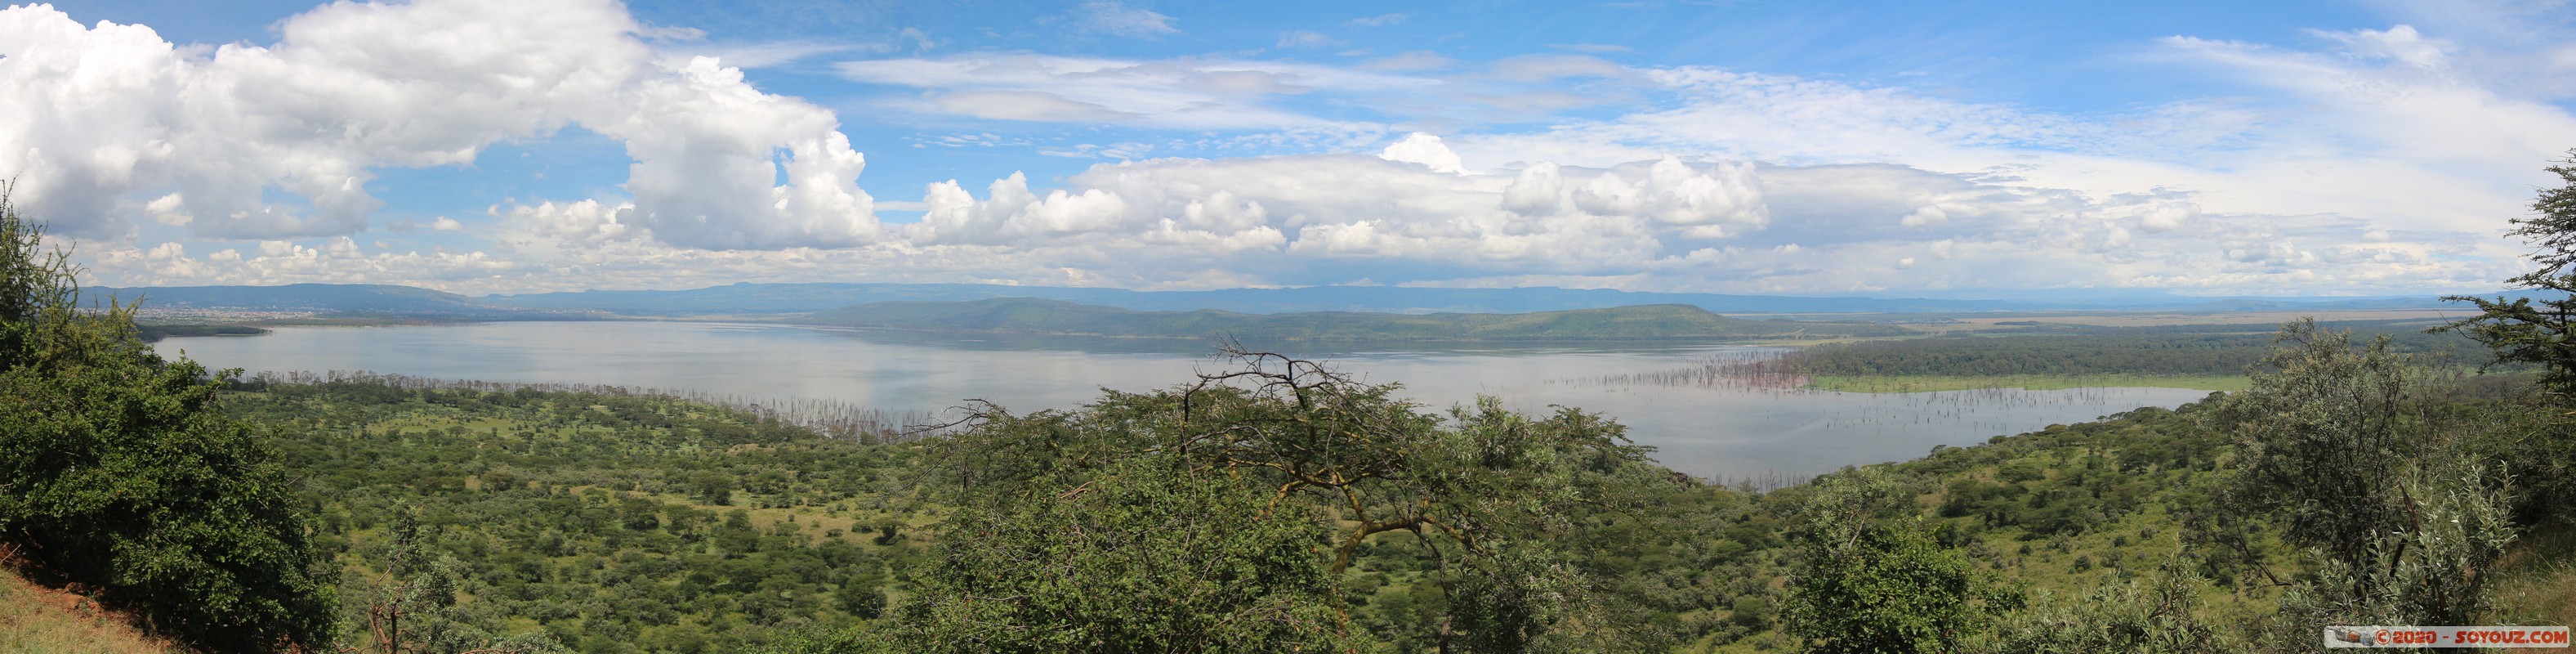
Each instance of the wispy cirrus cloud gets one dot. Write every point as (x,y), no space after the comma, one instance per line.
(1113,17)
(1183,94)
(1592,48)
(1305,39)
(1380,20)
(1246,94)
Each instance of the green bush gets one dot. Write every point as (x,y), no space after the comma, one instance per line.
(118,471)
(1869,578)
(1144,557)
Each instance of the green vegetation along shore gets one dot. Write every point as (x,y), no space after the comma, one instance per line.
(1035,316)
(155,331)
(2205,357)
(1931,383)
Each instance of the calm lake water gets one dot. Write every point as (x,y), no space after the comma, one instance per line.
(1712,432)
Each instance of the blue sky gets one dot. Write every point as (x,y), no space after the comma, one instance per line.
(485,146)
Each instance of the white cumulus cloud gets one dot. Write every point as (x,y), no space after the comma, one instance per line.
(1710,199)
(1425,149)
(93,117)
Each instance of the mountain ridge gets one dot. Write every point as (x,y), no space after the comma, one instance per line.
(383,300)
(1057,317)
(752,298)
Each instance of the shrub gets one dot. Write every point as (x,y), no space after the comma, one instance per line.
(117,470)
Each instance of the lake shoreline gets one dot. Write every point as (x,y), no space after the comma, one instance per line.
(1706,432)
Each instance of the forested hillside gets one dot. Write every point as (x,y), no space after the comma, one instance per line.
(119,475)
(608,523)
(534,521)
(601,522)
(612,523)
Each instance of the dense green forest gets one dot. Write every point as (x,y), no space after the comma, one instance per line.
(1036,316)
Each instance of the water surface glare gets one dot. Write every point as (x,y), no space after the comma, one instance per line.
(1714,432)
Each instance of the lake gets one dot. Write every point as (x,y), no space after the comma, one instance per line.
(1720,432)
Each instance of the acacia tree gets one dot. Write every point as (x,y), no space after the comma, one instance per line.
(118,470)
(2338,447)
(2323,434)
(1136,556)
(2155,615)
(2544,333)
(1484,492)
(411,606)
(1869,579)
(2541,452)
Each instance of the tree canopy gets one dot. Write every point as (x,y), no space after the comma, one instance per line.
(1871,579)
(1288,470)
(119,471)
(2542,332)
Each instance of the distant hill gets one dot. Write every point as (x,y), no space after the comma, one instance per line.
(335,299)
(750,299)
(1039,316)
